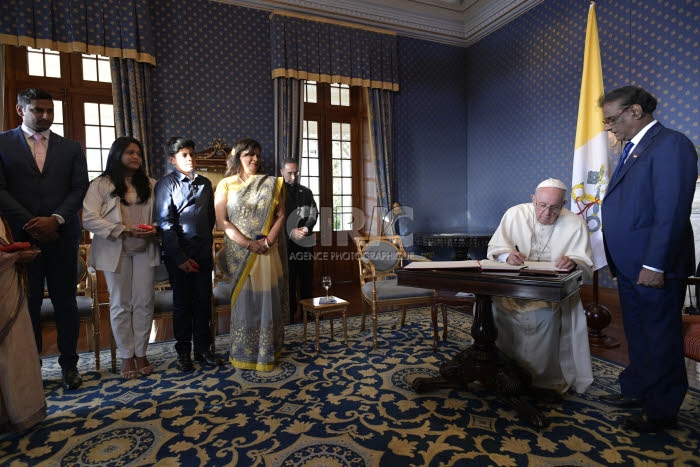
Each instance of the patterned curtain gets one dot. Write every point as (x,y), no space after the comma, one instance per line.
(111,28)
(3,109)
(328,51)
(289,115)
(131,91)
(381,132)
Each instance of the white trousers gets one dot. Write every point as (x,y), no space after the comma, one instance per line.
(131,296)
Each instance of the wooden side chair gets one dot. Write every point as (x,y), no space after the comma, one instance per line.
(88,305)
(379,258)
(222,287)
(691,326)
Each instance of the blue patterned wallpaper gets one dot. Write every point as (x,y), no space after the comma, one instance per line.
(476,128)
(524,82)
(212,78)
(431,134)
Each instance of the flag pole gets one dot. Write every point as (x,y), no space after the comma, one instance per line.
(589,179)
(598,318)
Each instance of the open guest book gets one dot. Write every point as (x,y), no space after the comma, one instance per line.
(542,267)
(529,267)
(464,264)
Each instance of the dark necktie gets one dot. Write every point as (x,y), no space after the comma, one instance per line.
(623,159)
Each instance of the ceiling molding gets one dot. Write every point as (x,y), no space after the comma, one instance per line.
(454,22)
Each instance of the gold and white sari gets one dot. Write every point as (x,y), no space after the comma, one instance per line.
(259,301)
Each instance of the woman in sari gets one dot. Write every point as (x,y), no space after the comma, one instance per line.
(22,403)
(250,210)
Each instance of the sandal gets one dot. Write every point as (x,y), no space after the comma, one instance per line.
(143,366)
(128,371)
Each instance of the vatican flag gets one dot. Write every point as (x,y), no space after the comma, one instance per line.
(590,179)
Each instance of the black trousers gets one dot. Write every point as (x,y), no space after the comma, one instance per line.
(191,306)
(301,274)
(57,266)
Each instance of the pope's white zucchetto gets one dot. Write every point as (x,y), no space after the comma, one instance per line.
(552,183)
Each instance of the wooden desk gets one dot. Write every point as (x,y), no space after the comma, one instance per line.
(483,361)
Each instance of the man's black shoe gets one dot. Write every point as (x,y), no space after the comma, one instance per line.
(71,378)
(642,424)
(209,358)
(618,400)
(184,362)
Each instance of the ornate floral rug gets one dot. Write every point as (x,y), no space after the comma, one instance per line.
(343,407)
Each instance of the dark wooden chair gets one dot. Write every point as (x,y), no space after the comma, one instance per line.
(222,287)
(691,327)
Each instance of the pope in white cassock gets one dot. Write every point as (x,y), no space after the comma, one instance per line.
(549,339)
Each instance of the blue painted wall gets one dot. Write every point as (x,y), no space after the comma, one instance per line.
(524,82)
(212,78)
(431,134)
(476,128)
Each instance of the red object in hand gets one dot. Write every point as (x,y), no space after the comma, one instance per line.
(195,265)
(145,226)
(15,247)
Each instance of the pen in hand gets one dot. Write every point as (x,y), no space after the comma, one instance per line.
(518,255)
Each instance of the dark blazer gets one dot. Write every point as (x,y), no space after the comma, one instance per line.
(646,209)
(26,193)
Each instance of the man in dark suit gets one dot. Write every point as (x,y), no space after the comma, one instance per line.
(301,215)
(43,179)
(649,247)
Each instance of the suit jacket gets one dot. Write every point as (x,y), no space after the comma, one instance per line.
(301,207)
(26,193)
(646,209)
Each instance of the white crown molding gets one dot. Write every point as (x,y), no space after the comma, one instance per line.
(455,22)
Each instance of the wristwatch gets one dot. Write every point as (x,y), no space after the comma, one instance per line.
(59,219)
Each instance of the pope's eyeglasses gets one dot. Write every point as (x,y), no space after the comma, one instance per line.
(546,207)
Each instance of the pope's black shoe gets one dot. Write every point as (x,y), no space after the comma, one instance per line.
(618,400)
(184,362)
(208,358)
(71,378)
(643,424)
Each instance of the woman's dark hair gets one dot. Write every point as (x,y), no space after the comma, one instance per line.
(233,161)
(114,170)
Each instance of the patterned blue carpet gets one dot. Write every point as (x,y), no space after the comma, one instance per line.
(342,407)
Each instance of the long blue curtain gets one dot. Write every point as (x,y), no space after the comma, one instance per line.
(289,115)
(131,93)
(328,51)
(381,116)
(315,49)
(120,29)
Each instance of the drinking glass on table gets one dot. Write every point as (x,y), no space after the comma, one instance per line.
(326,283)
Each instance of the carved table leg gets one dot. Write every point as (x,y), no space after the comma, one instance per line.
(484,362)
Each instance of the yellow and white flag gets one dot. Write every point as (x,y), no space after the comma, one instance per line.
(590,175)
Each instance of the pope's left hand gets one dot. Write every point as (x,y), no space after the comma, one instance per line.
(565,263)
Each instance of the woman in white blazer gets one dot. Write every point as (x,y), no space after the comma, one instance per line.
(118,210)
